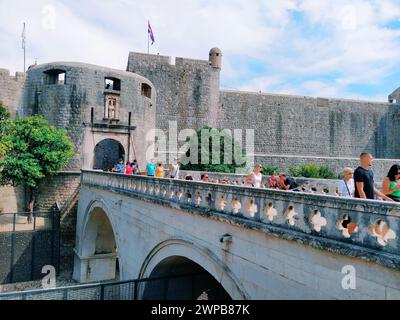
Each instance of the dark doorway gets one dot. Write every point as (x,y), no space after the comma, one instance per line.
(107,153)
(183,279)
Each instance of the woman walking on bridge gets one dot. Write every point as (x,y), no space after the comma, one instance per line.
(391,185)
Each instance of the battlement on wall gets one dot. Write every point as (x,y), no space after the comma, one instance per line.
(5,75)
(193,62)
(137,58)
(149,58)
(320,100)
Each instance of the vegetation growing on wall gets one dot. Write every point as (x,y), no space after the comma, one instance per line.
(4,125)
(312,170)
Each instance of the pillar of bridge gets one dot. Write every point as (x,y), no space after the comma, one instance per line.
(96,254)
(95,268)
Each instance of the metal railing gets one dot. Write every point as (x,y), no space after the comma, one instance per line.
(108,290)
(25,247)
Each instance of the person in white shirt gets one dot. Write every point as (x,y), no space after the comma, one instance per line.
(257,176)
(346,186)
(174,169)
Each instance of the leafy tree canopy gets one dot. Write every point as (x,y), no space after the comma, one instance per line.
(213,150)
(35,150)
(4,124)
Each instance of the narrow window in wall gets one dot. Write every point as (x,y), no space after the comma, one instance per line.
(111,83)
(146,90)
(54,76)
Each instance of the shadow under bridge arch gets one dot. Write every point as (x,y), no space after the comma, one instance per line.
(183,270)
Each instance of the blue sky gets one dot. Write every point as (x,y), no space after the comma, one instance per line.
(325,48)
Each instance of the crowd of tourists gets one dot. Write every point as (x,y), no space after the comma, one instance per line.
(153,168)
(358,183)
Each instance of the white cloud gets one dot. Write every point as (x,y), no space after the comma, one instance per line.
(347,41)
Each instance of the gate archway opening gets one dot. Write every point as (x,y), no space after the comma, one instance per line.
(99,248)
(107,153)
(182,279)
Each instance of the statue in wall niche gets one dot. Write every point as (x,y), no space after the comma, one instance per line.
(236,206)
(251,208)
(317,220)
(382,232)
(270,212)
(347,227)
(290,215)
(111,110)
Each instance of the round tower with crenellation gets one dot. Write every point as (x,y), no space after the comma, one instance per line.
(215,58)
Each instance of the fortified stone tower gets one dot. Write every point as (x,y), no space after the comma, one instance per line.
(187,91)
(394,97)
(106,112)
(215,58)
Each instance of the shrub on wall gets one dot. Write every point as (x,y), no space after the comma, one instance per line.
(326,173)
(294,172)
(312,170)
(269,170)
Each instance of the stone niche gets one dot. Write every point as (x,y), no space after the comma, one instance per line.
(111,107)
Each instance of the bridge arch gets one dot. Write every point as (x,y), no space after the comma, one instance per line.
(184,250)
(97,249)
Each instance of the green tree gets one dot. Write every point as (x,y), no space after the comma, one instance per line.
(36,150)
(4,125)
(213,150)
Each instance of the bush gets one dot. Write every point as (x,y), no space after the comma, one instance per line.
(326,173)
(294,172)
(312,170)
(269,170)
(309,170)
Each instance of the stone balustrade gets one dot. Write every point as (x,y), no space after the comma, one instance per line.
(356,227)
(311,185)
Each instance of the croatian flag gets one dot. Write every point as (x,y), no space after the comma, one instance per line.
(150,31)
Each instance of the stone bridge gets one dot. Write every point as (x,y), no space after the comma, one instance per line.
(243,243)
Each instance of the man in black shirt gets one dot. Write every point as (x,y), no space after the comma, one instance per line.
(364,179)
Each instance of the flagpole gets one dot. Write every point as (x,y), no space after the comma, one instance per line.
(148,37)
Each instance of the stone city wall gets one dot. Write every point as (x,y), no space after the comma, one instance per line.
(318,127)
(11,90)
